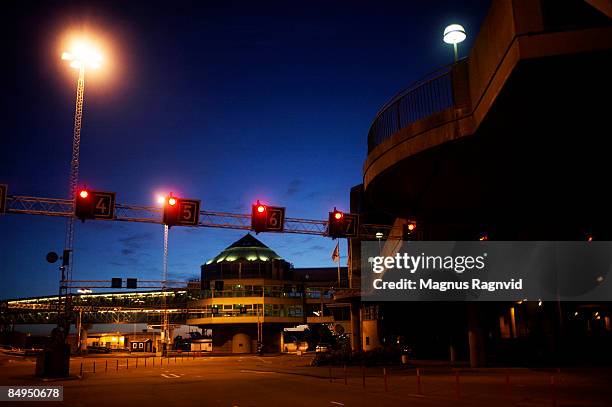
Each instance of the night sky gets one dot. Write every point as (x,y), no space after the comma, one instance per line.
(227,102)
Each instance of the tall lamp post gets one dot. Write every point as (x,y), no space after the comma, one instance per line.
(81,56)
(454,34)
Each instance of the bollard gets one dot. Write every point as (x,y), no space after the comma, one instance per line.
(153,361)
(363,376)
(94,366)
(117,365)
(345,378)
(106,366)
(419,389)
(81,370)
(553,391)
(508,388)
(127,363)
(457,385)
(386,379)
(330,374)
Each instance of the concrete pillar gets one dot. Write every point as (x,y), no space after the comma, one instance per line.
(83,337)
(475,337)
(355,325)
(241,343)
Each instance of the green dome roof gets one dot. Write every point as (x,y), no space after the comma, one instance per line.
(246,249)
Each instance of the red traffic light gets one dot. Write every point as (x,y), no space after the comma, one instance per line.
(261,208)
(84,194)
(338,215)
(171,201)
(411,226)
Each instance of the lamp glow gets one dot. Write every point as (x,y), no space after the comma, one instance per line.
(454,34)
(83,55)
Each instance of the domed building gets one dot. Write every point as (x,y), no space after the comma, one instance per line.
(249,295)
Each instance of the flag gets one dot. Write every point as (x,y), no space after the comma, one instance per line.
(336,253)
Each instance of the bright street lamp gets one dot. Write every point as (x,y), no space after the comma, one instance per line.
(82,55)
(454,34)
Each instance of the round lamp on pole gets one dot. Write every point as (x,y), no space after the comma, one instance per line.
(454,34)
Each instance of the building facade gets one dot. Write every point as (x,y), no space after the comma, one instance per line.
(249,295)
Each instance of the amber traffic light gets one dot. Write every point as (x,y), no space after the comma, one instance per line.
(409,231)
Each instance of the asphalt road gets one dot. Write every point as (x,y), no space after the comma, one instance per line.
(290,381)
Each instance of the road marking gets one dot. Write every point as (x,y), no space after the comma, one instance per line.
(337,403)
(262,360)
(170,376)
(257,371)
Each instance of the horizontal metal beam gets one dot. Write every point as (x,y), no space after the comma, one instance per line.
(18,204)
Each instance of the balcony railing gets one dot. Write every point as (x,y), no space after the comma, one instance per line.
(430,95)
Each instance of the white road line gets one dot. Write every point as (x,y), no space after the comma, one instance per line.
(170,376)
(337,403)
(256,371)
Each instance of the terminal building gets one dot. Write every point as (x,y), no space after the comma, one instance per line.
(249,295)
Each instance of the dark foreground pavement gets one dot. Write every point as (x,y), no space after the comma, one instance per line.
(290,381)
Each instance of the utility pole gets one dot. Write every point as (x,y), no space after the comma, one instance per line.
(165,322)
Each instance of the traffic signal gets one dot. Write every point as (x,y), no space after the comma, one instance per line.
(116,283)
(84,205)
(94,204)
(131,283)
(3,191)
(342,224)
(259,214)
(181,211)
(266,218)
(170,210)
(409,231)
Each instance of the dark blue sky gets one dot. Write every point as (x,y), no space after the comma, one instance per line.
(223,101)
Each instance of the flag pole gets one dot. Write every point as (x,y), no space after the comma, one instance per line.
(339,261)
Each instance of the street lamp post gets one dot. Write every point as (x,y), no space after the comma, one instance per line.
(454,34)
(81,56)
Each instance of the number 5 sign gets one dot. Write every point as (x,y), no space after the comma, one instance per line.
(188,212)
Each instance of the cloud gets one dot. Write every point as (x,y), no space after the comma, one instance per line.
(136,241)
(316,247)
(294,187)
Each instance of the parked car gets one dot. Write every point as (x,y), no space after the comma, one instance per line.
(98,349)
(323,348)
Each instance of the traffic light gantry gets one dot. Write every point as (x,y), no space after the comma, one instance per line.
(97,205)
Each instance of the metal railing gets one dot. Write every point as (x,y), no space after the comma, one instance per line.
(432,94)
